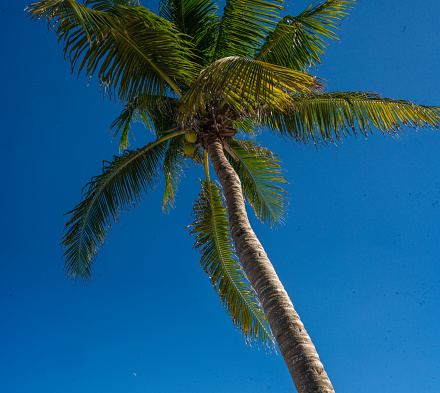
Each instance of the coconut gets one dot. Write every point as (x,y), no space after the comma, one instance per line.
(191,136)
(189,149)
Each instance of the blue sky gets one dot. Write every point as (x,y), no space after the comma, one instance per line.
(359,253)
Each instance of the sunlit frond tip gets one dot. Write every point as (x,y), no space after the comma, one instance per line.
(326,117)
(299,42)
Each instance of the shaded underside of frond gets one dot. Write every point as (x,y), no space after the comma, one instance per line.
(156,113)
(244,85)
(244,25)
(212,236)
(120,185)
(132,50)
(260,174)
(298,42)
(105,5)
(324,118)
(197,19)
(130,113)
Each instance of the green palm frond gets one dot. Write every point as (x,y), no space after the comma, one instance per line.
(260,174)
(130,113)
(244,26)
(211,231)
(244,84)
(298,42)
(323,118)
(105,5)
(157,114)
(173,166)
(120,185)
(246,127)
(135,51)
(197,19)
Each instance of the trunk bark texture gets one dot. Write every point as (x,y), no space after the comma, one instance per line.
(295,345)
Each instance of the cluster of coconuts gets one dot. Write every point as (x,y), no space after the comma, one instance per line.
(189,146)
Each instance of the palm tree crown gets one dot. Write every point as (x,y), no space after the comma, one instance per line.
(195,77)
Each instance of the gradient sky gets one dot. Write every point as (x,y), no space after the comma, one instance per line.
(359,253)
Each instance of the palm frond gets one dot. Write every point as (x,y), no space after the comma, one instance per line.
(130,113)
(246,127)
(156,113)
(298,42)
(211,231)
(119,186)
(173,166)
(326,117)
(106,5)
(244,26)
(197,20)
(261,177)
(135,51)
(244,84)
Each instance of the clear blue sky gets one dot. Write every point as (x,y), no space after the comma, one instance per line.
(359,253)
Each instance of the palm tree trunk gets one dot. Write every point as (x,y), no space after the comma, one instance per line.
(295,345)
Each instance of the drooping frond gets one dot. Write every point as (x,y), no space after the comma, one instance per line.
(197,19)
(323,118)
(261,177)
(119,186)
(244,85)
(211,231)
(130,113)
(244,26)
(298,42)
(157,114)
(173,166)
(134,51)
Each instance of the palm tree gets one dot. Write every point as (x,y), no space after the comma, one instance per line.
(205,83)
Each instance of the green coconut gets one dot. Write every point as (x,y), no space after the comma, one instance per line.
(191,136)
(189,149)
